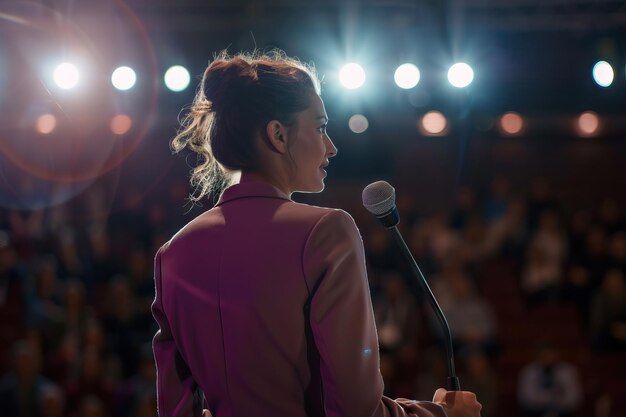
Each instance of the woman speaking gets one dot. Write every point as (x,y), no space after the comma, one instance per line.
(262,303)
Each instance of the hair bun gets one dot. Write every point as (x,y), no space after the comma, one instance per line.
(227,81)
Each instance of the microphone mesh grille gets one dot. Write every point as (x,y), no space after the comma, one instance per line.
(379,197)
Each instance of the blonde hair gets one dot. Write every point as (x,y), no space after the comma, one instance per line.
(237,97)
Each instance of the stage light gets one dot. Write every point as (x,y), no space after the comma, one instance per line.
(177,78)
(121,124)
(407,76)
(358,123)
(66,76)
(352,76)
(460,75)
(123,78)
(603,73)
(434,123)
(588,123)
(511,123)
(46,123)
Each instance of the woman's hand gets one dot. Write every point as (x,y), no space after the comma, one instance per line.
(458,403)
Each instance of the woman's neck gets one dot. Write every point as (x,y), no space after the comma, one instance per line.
(256,176)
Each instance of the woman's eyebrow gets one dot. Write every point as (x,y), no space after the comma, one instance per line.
(321,117)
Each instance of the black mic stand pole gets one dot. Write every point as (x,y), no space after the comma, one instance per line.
(390,220)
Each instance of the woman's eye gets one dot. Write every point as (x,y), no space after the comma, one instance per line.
(322,129)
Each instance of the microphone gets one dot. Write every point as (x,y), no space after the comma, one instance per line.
(379,198)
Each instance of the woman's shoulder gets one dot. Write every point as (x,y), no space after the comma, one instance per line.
(319,214)
(293,215)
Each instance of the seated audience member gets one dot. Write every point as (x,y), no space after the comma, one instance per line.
(543,273)
(550,238)
(595,257)
(548,386)
(472,321)
(395,310)
(507,235)
(541,277)
(52,402)
(608,313)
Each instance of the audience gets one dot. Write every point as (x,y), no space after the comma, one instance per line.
(548,386)
(75,299)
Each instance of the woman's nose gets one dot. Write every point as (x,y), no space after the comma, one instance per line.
(333,148)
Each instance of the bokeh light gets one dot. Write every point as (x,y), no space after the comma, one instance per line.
(358,123)
(121,124)
(66,76)
(46,123)
(177,78)
(123,78)
(460,75)
(407,76)
(434,123)
(511,123)
(603,73)
(588,124)
(352,76)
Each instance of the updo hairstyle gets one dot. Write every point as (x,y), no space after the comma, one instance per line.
(235,100)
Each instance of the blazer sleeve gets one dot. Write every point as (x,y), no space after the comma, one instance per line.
(343,327)
(174,383)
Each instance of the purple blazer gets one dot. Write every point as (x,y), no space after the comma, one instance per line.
(264,304)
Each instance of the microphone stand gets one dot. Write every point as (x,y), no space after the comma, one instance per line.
(452,382)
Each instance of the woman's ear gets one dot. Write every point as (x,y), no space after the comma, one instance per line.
(277,135)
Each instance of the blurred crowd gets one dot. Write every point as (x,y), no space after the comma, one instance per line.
(554,257)
(76,284)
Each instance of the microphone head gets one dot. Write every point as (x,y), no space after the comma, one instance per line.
(379,197)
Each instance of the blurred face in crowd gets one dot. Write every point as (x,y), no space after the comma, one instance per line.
(52,403)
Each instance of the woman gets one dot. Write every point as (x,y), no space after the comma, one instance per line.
(263,303)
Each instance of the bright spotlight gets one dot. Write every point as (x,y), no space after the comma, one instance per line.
(407,76)
(177,78)
(352,76)
(434,123)
(358,123)
(603,73)
(45,124)
(121,124)
(460,75)
(588,123)
(511,123)
(66,76)
(123,78)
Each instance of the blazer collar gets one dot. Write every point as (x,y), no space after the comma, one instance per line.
(251,188)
